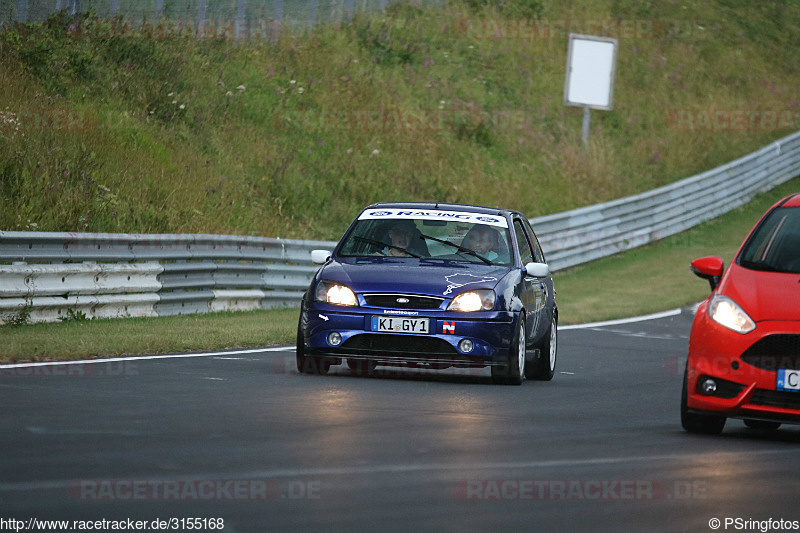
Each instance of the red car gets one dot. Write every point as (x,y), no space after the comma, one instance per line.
(744,347)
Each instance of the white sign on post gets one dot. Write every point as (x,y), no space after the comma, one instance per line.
(591,69)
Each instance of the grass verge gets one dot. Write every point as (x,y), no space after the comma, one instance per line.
(109,128)
(657,277)
(645,280)
(135,336)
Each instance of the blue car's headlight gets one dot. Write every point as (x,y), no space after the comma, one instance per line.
(335,293)
(475,300)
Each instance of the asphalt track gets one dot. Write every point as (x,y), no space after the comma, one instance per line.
(240,436)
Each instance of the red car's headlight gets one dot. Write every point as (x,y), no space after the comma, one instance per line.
(726,312)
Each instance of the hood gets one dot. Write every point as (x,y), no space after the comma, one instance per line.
(411,276)
(763,295)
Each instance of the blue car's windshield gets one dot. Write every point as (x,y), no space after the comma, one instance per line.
(462,237)
(775,245)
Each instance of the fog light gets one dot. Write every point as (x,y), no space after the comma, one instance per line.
(709,386)
(334,338)
(465,345)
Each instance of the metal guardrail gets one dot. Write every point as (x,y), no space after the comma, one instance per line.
(596,231)
(118,275)
(236,19)
(104,290)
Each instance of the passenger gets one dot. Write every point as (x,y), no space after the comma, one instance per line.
(482,240)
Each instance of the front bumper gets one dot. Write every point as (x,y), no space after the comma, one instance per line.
(489,333)
(745,370)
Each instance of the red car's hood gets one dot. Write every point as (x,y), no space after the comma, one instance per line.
(763,295)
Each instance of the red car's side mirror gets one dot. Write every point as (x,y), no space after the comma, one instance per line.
(709,268)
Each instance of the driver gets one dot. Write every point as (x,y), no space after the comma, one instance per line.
(400,234)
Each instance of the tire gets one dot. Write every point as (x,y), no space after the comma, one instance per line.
(300,352)
(694,422)
(309,364)
(763,425)
(545,367)
(513,371)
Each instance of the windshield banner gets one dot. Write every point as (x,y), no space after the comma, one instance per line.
(434,214)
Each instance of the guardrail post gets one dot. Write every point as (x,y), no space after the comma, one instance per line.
(241,18)
(201,14)
(21,10)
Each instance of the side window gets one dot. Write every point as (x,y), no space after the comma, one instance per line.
(525,251)
(537,248)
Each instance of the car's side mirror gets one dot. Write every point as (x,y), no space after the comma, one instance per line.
(319,257)
(709,268)
(537,270)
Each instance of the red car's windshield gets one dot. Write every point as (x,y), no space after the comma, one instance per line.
(775,245)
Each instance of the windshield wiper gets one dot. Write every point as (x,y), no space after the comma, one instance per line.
(459,248)
(382,244)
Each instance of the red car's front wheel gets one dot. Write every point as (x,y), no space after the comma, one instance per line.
(695,422)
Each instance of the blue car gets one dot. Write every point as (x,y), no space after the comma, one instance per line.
(432,286)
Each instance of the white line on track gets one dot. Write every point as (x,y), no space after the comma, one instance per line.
(654,316)
(224,355)
(227,354)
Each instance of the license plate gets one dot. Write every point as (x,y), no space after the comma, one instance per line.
(788,380)
(395,324)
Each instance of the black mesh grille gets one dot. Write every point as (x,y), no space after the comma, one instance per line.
(774,352)
(397,345)
(776,398)
(403,301)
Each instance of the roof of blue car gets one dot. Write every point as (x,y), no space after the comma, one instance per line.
(442,206)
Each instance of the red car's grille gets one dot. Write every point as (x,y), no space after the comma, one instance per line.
(773,398)
(774,352)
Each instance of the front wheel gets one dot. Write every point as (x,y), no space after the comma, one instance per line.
(694,422)
(545,367)
(513,372)
(309,364)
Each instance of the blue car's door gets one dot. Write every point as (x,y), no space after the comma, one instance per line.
(533,292)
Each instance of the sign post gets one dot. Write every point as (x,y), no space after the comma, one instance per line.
(591,69)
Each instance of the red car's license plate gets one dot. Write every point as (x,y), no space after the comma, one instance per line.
(788,380)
